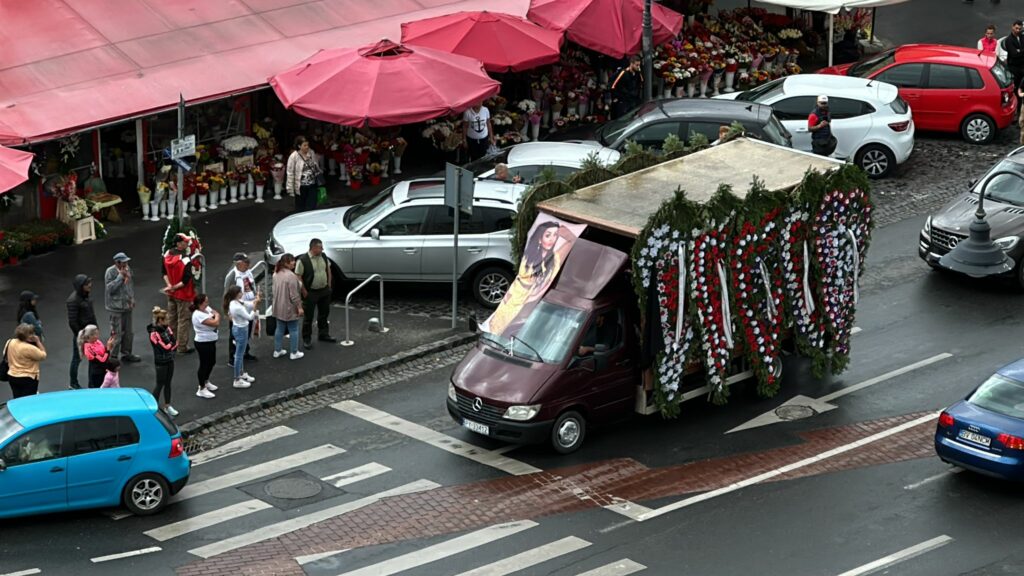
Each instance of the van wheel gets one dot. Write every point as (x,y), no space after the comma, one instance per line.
(568,432)
(978,129)
(878,161)
(145,494)
(490,285)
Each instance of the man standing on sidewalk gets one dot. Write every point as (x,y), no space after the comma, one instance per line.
(241,276)
(80,315)
(180,290)
(314,269)
(119,300)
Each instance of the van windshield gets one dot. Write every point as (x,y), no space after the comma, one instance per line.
(547,335)
(8,425)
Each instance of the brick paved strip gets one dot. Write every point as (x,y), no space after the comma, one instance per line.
(454,509)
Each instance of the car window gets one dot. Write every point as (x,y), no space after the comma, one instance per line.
(795,108)
(406,221)
(34,446)
(496,219)
(1005,188)
(903,75)
(946,77)
(362,214)
(653,135)
(93,434)
(776,133)
(608,334)
(526,174)
(842,108)
(167,423)
(865,68)
(441,222)
(486,164)
(1001,395)
(8,425)
(762,93)
(974,80)
(708,129)
(1002,75)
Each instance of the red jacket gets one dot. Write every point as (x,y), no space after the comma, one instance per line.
(179,269)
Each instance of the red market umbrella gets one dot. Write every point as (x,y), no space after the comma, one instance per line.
(611,27)
(501,41)
(385,84)
(14,166)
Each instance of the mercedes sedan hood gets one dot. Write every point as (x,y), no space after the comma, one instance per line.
(1005,219)
(294,232)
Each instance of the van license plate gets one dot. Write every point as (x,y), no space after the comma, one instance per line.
(976,438)
(476,427)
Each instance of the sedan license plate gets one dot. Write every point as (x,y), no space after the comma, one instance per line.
(476,427)
(976,438)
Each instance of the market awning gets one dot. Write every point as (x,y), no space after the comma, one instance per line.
(611,27)
(14,166)
(830,6)
(68,65)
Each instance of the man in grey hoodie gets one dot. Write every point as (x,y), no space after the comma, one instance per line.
(119,300)
(80,315)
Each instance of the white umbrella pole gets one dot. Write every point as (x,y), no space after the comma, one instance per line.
(831,37)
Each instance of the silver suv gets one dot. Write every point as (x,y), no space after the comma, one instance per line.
(405,232)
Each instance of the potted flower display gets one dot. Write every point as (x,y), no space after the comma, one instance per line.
(373,173)
(259,177)
(355,181)
(277,171)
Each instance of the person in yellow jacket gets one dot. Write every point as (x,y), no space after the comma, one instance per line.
(24,353)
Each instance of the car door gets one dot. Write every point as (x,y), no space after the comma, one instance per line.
(851,123)
(945,95)
(438,242)
(612,383)
(910,80)
(101,456)
(33,478)
(396,252)
(653,135)
(793,113)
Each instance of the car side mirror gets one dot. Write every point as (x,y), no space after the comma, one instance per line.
(375,234)
(972,183)
(3,465)
(587,363)
(600,348)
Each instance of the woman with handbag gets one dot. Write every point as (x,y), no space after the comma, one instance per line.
(22,355)
(303,176)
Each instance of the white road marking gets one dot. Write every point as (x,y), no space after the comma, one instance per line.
(442,550)
(434,438)
(299,522)
(884,377)
(310,558)
(628,509)
(258,471)
(787,468)
(855,330)
(241,445)
(902,555)
(620,568)
(28,572)
(201,521)
(931,479)
(149,550)
(529,558)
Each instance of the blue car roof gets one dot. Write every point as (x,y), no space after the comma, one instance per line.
(1014,370)
(32,411)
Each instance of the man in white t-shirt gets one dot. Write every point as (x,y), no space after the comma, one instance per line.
(478,130)
(241,276)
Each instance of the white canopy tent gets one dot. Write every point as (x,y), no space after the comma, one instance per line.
(832,7)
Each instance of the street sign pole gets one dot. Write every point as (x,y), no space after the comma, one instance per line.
(181,174)
(455,259)
(458,195)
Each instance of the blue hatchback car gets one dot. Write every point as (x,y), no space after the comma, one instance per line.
(985,431)
(87,449)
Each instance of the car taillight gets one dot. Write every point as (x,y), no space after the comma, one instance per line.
(177,448)
(900,126)
(945,420)
(1006,98)
(1011,442)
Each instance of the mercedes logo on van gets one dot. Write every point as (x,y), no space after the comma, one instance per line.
(478,405)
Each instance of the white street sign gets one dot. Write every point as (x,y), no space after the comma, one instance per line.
(182,147)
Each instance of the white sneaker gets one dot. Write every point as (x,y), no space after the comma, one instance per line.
(247,378)
(296,355)
(209,386)
(204,393)
(279,353)
(240,383)
(171,411)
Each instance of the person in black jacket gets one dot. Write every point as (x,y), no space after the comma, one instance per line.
(161,336)
(626,88)
(314,269)
(80,315)
(1013,44)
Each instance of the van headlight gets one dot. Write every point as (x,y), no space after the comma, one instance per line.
(522,413)
(451,392)
(1007,243)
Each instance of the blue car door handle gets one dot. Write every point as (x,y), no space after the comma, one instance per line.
(56,469)
(123,458)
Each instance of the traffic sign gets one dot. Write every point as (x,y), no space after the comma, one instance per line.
(458,188)
(182,147)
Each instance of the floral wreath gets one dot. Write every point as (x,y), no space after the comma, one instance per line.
(801,288)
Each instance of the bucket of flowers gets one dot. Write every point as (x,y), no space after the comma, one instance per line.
(373,173)
(355,177)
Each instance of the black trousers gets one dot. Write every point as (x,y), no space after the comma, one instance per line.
(207,359)
(319,300)
(164,376)
(305,200)
(231,345)
(23,386)
(97,370)
(477,148)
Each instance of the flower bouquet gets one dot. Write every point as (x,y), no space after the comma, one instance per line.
(259,180)
(355,177)
(234,180)
(373,172)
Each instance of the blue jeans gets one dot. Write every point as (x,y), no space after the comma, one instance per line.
(76,359)
(293,331)
(241,336)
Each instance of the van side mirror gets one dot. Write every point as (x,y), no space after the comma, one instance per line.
(587,363)
(600,348)
(375,234)
(972,183)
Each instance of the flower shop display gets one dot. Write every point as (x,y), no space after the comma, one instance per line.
(277,171)
(259,178)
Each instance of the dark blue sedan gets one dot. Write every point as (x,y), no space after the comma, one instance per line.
(985,431)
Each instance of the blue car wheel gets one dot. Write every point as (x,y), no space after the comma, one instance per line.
(145,494)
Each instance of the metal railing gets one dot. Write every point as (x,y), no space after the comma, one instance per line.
(266,283)
(348,299)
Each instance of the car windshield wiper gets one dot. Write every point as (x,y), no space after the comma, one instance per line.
(512,345)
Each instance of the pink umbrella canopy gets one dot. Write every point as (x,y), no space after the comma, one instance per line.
(14,165)
(611,27)
(501,41)
(385,84)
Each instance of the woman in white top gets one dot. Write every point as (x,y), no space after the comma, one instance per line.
(301,174)
(205,321)
(241,313)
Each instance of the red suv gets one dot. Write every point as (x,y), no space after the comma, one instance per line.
(949,88)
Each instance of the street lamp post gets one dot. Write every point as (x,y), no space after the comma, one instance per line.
(978,256)
(648,47)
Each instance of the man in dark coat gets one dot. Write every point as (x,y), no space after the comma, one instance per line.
(80,315)
(626,87)
(1013,45)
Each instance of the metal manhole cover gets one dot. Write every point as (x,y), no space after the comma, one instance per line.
(292,488)
(794,412)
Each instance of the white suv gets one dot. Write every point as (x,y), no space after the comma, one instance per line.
(870,121)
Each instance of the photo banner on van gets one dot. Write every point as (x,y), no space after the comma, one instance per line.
(548,243)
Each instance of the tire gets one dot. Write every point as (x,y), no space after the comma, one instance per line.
(978,129)
(145,494)
(490,285)
(877,160)
(568,432)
